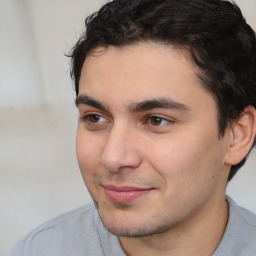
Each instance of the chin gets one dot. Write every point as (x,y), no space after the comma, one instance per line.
(133,232)
(127,226)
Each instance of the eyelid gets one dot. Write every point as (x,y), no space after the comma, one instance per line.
(158,125)
(169,119)
(84,117)
(84,113)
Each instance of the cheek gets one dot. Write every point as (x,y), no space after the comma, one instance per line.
(89,150)
(184,159)
(189,172)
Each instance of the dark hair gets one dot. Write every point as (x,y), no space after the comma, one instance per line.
(214,32)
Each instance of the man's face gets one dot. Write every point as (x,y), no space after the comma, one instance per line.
(147,140)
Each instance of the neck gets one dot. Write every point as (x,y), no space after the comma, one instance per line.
(200,235)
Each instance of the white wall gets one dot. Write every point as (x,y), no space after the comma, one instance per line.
(20,79)
(39,176)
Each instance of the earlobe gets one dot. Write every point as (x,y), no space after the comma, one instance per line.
(242,136)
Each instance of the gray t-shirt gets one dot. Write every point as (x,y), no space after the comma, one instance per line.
(81,232)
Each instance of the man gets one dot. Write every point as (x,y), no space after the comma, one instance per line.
(166,93)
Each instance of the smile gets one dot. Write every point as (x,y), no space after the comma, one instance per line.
(125,194)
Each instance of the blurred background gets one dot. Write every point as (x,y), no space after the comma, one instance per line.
(39,175)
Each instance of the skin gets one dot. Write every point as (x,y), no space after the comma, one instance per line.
(172,151)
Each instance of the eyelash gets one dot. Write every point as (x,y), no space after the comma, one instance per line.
(148,120)
(86,118)
(160,118)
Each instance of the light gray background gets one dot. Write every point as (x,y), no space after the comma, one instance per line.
(39,176)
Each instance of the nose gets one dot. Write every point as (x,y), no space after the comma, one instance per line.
(121,151)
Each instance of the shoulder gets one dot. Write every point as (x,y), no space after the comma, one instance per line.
(244,217)
(60,233)
(76,218)
(65,218)
(240,236)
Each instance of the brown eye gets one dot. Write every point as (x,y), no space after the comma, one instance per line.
(94,118)
(157,121)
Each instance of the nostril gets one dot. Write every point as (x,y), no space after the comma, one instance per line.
(120,158)
(120,151)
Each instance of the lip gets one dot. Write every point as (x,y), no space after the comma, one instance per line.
(125,193)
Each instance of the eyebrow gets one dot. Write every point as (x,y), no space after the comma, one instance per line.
(86,100)
(145,105)
(164,103)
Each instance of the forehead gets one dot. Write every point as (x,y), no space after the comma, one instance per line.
(141,71)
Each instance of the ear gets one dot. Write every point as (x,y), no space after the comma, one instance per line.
(242,134)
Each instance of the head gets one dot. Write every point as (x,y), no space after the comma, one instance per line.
(212,43)
(214,33)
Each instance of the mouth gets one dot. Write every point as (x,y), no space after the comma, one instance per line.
(125,194)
